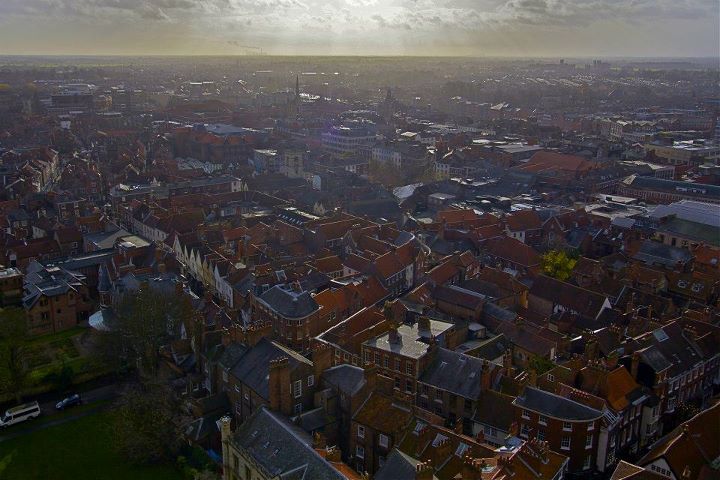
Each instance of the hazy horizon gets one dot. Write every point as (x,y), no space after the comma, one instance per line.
(466,28)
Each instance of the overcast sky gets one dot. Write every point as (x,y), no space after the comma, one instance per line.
(363,27)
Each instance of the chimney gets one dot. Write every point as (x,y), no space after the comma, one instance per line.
(458,428)
(253,333)
(532,377)
(333,454)
(507,363)
(480,436)
(322,359)
(423,323)
(424,471)
(370,374)
(485,376)
(319,441)
(394,337)
(226,433)
(634,364)
(279,386)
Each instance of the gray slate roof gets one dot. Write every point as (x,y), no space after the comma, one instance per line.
(552,405)
(253,368)
(289,303)
(398,466)
(348,379)
(456,373)
(282,449)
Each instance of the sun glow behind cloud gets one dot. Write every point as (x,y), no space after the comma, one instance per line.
(361,27)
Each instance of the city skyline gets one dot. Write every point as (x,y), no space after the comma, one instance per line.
(488,28)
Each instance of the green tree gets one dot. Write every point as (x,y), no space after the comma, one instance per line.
(145,430)
(14,370)
(540,364)
(143,322)
(558,264)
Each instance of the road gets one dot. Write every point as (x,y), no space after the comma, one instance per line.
(108,392)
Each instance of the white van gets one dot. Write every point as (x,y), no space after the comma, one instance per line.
(20,414)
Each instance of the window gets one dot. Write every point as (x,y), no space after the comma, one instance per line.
(567,426)
(541,435)
(359,452)
(361,431)
(409,369)
(461,449)
(551,377)
(565,442)
(311,381)
(591,426)
(543,420)
(524,430)
(298,408)
(386,362)
(588,461)
(588,441)
(525,414)
(397,383)
(408,386)
(397,364)
(383,441)
(297,388)
(377,358)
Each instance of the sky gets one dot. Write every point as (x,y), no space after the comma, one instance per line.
(524,28)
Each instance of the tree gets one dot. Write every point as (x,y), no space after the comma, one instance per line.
(145,429)
(14,370)
(558,264)
(143,321)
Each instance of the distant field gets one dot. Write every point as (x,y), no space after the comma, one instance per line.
(76,450)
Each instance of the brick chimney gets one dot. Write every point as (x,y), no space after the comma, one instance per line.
(423,323)
(393,336)
(485,376)
(424,471)
(370,374)
(279,386)
(333,454)
(252,334)
(226,433)
(508,363)
(322,359)
(319,441)
(634,364)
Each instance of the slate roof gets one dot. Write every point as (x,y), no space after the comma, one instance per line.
(399,466)
(253,368)
(568,295)
(456,373)
(349,379)
(288,302)
(656,253)
(281,449)
(495,409)
(555,406)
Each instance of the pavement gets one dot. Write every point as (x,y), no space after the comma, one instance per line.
(47,409)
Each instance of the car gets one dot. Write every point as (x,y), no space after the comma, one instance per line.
(70,401)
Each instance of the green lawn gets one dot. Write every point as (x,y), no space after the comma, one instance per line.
(76,450)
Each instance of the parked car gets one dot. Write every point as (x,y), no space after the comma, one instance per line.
(70,401)
(20,414)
